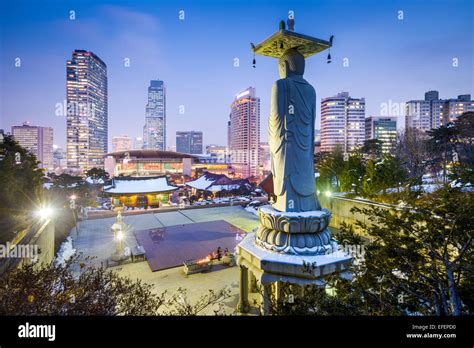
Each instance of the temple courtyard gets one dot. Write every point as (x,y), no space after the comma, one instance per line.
(94,238)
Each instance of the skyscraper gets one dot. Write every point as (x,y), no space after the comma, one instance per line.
(87,114)
(453,108)
(433,112)
(342,122)
(154,131)
(138,143)
(189,142)
(425,114)
(244,133)
(122,143)
(38,141)
(383,128)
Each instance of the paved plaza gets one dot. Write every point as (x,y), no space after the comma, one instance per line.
(94,238)
(170,246)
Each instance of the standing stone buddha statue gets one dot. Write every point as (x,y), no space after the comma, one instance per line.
(291,136)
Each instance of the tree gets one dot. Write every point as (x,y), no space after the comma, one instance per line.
(370,185)
(372,148)
(65,180)
(97,174)
(390,173)
(442,142)
(413,152)
(354,170)
(330,170)
(419,261)
(21,190)
(424,251)
(62,290)
(462,171)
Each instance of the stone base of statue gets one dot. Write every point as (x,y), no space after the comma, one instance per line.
(292,248)
(304,233)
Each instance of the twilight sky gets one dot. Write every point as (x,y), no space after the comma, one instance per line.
(390,60)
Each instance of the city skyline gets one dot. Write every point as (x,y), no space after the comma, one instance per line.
(138,44)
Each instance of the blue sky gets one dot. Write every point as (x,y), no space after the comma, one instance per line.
(390,60)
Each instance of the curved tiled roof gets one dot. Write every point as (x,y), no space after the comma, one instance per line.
(135,185)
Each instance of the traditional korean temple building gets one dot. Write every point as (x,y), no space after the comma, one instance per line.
(152,191)
(217,182)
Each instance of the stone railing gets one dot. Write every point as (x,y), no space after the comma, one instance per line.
(340,208)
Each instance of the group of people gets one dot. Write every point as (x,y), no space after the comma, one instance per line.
(217,254)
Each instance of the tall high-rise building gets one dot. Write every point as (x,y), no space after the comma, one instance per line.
(244,133)
(424,114)
(154,131)
(383,128)
(189,142)
(138,143)
(87,114)
(342,122)
(122,143)
(432,95)
(38,141)
(433,112)
(453,108)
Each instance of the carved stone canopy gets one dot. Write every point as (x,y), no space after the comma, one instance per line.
(282,40)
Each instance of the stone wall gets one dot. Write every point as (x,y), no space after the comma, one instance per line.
(35,243)
(340,208)
(44,239)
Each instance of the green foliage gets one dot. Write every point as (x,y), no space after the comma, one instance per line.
(97,173)
(419,261)
(330,167)
(423,252)
(354,170)
(358,175)
(372,148)
(383,174)
(79,288)
(65,185)
(20,189)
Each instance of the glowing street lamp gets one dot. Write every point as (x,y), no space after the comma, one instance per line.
(44,213)
(119,235)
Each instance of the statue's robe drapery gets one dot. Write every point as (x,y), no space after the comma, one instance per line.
(291,141)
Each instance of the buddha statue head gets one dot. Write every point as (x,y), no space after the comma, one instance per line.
(291,63)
